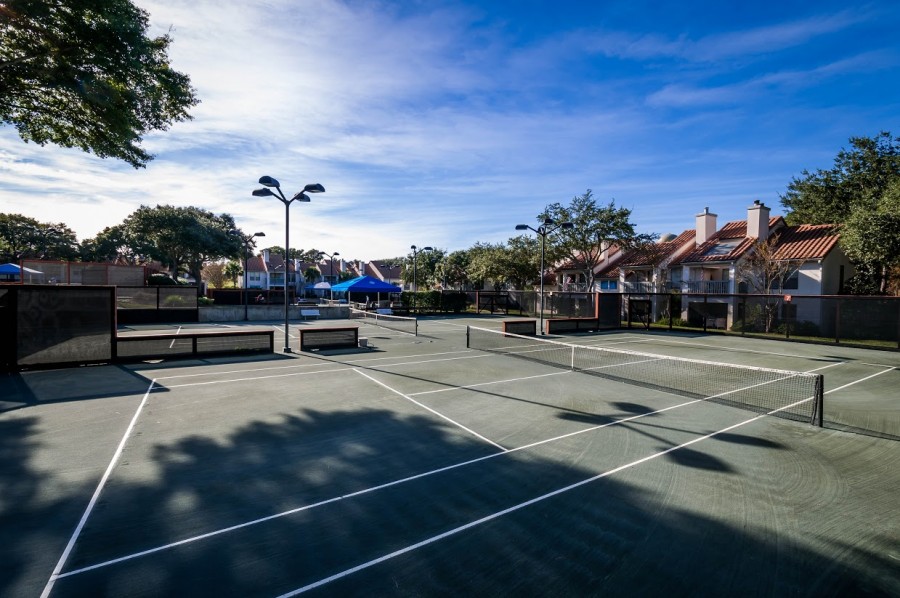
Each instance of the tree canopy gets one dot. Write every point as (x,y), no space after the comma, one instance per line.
(593,225)
(26,238)
(860,193)
(180,237)
(84,74)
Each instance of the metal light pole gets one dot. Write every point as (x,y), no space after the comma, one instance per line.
(330,269)
(415,251)
(268,184)
(543,230)
(247,242)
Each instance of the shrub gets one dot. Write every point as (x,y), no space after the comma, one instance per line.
(160,279)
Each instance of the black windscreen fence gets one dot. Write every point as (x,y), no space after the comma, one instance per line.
(46,326)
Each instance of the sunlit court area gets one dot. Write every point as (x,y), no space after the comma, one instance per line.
(456,459)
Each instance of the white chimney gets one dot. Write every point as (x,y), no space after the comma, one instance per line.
(265,253)
(758,221)
(706,226)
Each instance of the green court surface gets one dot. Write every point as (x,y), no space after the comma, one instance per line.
(420,467)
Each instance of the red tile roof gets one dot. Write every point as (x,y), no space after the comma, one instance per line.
(652,255)
(805,242)
(728,244)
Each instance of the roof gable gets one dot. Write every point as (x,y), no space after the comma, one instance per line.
(728,244)
(805,242)
(657,253)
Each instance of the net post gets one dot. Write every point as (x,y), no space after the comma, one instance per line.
(468,344)
(572,359)
(819,402)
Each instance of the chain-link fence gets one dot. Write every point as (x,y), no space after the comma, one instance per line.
(867,321)
(81,273)
(153,305)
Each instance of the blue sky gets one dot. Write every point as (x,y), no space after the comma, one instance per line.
(445,123)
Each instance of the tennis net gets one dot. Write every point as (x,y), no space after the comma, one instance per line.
(792,395)
(392,322)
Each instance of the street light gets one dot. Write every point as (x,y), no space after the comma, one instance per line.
(247,243)
(543,230)
(268,184)
(331,257)
(415,251)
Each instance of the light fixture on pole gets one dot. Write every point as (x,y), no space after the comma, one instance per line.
(247,242)
(268,184)
(331,257)
(415,251)
(543,230)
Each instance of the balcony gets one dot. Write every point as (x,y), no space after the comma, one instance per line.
(639,287)
(707,286)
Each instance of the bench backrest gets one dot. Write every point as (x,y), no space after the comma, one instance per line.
(312,339)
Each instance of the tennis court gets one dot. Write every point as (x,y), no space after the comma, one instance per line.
(423,466)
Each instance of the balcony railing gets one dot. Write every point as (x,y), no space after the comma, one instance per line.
(640,287)
(707,286)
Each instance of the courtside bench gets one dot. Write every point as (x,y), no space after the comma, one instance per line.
(563,325)
(523,327)
(309,313)
(314,339)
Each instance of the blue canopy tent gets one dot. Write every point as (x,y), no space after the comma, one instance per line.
(365,285)
(13,273)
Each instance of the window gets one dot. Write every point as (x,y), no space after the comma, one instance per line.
(791,281)
(723,247)
(609,285)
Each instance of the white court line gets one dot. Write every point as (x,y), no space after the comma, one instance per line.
(172,344)
(251,379)
(90,507)
(405,480)
(466,386)
(369,490)
(427,408)
(522,505)
(667,341)
(248,370)
(324,362)
(860,380)
(881,365)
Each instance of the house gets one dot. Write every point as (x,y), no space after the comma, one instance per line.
(389,273)
(571,273)
(711,271)
(646,269)
(267,271)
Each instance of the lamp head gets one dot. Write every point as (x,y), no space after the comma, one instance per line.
(301,196)
(335,254)
(259,234)
(427,249)
(262,192)
(522,227)
(268,181)
(314,188)
(549,222)
(567,225)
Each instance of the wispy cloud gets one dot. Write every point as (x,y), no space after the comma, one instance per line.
(446,125)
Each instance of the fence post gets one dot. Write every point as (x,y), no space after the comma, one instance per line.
(671,310)
(628,309)
(837,321)
(705,310)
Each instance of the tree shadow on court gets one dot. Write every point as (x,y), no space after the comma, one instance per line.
(37,512)
(313,493)
(44,387)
